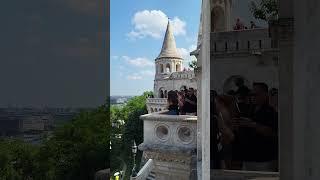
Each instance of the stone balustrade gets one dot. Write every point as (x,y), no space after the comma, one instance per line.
(168,131)
(144,171)
(252,40)
(170,140)
(156,104)
(157,101)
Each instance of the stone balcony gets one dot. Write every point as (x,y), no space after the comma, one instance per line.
(253,41)
(169,132)
(170,141)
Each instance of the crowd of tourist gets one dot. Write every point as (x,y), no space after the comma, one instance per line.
(244,125)
(183,102)
(244,128)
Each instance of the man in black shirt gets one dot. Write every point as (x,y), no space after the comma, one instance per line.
(260,145)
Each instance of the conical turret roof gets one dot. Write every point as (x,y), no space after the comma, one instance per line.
(169,49)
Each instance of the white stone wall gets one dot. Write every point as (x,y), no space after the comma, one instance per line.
(248,53)
(156,104)
(253,69)
(172,62)
(175,82)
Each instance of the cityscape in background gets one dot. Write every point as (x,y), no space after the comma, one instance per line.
(119,100)
(33,125)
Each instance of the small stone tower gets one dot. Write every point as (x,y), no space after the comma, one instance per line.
(169,60)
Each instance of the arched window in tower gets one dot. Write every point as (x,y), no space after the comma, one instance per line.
(161,68)
(165,94)
(161,93)
(178,67)
(168,68)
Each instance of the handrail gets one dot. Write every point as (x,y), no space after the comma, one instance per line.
(144,171)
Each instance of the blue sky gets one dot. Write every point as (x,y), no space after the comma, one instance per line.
(137,30)
(136,35)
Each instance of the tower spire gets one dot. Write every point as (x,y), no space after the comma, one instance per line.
(169,49)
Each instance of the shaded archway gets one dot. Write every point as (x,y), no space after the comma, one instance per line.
(168,68)
(178,67)
(161,93)
(161,68)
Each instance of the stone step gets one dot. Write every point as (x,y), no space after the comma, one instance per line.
(152,176)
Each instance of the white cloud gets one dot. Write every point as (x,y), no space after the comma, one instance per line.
(134,76)
(153,24)
(147,73)
(185,53)
(138,62)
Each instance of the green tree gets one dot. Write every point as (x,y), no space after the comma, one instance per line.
(264,9)
(132,130)
(193,64)
(17,160)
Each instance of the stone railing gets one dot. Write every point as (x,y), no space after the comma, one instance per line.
(144,171)
(253,40)
(171,132)
(183,75)
(157,101)
(156,104)
(170,141)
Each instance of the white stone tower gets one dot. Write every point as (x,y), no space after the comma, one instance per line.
(169,60)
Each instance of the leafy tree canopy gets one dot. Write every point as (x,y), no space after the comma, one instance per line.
(264,9)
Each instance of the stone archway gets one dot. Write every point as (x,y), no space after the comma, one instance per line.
(178,67)
(161,93)
(161,68)
(168,68)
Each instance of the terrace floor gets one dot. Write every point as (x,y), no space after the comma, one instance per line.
(243,175)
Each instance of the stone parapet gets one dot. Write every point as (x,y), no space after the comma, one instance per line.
(170,141)
(252,41)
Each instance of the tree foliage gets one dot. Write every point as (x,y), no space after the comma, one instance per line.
(132,131)
(75,151)
(264,9)
(193,64)
(80,148)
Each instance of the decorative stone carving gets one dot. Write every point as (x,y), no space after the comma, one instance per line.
(162,132)
(186,134)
